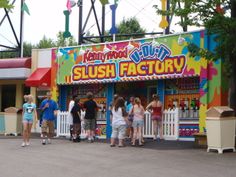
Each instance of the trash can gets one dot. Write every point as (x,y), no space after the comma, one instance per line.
(220,125)
(13,121)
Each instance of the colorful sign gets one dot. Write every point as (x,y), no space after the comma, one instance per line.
(121,64)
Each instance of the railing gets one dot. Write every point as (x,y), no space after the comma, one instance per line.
(63,126)
(170,125)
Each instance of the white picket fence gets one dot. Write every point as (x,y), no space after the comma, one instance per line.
(63,126)
(170,125)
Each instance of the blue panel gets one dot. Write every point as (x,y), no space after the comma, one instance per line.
(161,90)
(62,98)
(110,93)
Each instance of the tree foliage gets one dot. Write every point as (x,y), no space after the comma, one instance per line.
(125,27)
(130,26)
(61,41)
(46,43)
(5,4)
(215,16)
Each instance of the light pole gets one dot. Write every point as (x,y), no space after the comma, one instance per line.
(80,32)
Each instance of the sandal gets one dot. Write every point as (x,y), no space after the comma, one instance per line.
(112,145)
(120,146)
(141,144)
(133,145)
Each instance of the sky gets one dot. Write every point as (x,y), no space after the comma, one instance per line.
(47,19)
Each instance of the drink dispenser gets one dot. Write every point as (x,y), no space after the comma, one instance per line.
(181,106)
(186,108)
(170,104)
(192,108)
(175,103)
(197,106)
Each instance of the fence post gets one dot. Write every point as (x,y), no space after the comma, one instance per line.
(177,123)
(58,123)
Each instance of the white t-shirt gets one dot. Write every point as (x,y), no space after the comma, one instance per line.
(70,117)
(117,118)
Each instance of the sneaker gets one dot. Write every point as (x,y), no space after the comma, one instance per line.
(27,143)
(78,139)
(89,140)
(49,141)
(44,142)
(23,144)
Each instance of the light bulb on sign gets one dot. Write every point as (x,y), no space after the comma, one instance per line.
(181,40)
(59,53)
(155,43)
(81,51)
(106,49)
(130,46)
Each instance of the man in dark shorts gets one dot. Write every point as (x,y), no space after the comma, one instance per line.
(76,115)
(90,107)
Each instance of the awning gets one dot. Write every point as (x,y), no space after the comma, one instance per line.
(15,63)
(41,77)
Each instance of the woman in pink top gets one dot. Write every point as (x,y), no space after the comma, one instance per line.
(138,121)
(156,109)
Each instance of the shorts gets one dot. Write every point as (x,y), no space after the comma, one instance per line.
(118,131)
(89,124)
(77,128)
(48,126)
(156,117)
(27,121)
(138,123)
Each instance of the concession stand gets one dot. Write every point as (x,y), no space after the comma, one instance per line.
(142,67)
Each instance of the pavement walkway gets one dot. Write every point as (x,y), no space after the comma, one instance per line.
(63,158)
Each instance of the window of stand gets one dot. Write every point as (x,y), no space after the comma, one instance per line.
(183,93)
(99,92)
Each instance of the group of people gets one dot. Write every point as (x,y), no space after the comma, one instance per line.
(123,117)
(131,117)
(75,108)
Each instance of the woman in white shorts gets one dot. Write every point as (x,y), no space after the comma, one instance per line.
(119,119)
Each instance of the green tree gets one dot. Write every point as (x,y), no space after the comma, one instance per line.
(5,4)
(27,47)
(130,26)
(61,41)
(45,43)
(219,19)
(125,27)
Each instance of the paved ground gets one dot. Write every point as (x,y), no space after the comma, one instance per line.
(63,158)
